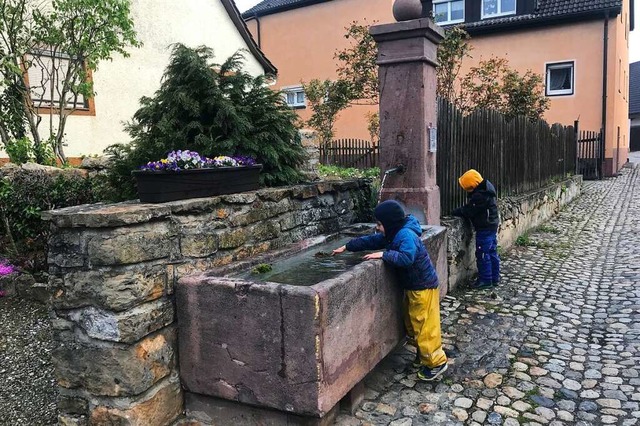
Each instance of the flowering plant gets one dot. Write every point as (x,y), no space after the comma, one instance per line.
(187,160)
(5,269)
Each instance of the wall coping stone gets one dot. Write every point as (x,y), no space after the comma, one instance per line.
(103,215)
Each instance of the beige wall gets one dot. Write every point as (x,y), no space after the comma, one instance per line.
(302,43)
(119,84)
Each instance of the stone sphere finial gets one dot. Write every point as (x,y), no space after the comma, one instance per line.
(406,10)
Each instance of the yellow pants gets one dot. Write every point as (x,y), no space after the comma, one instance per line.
(422,321)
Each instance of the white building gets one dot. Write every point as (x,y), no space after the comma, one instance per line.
(119,84)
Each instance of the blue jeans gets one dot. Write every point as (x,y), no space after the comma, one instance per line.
(487,257)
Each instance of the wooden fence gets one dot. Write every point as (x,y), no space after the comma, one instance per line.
(590,155)
(516,155)
(357,153)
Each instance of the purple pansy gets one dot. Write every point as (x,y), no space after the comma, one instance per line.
(186,160)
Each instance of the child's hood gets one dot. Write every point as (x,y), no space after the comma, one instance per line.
(413,225)
(488,187)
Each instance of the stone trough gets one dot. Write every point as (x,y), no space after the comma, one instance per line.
(296,347)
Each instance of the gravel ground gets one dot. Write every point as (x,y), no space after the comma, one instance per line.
(27,385)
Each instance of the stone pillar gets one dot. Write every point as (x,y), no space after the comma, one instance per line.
(407,53)
(113,314)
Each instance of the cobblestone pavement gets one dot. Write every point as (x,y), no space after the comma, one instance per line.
(558,343)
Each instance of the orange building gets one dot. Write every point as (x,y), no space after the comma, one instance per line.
(580,47)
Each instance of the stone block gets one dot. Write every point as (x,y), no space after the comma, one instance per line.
(128,245)
(160,406)
(198,244)
(126,327)
(291,220)
(232,238)
(72,404)
(266,230)
(67,249)
(105,215)
(208,411)
(296,349)
(70,420)
(304,191)
(260,211)
(115,289)
(112,369)
(195,206)
(274,194)
(241,198)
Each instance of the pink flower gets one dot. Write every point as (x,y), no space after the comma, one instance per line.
(6,269)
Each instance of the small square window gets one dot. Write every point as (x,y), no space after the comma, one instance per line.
(294,96)
(560,79)
(494,8)
(448,11)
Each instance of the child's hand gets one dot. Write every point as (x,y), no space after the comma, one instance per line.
(338,250)
(376,255)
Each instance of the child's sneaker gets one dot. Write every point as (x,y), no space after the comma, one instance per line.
(481,285)
(427,374)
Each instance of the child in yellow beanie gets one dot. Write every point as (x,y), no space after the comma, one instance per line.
(482,211)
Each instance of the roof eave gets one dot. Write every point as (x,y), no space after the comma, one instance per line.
(234,14)
(249,14)
(543,21)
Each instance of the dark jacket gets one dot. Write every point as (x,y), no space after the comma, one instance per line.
(406,253)
(482,208)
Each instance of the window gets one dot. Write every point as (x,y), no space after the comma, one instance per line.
(448,11)
(619,75)
(45,76)
(493,8)
(560,77)
(294,96)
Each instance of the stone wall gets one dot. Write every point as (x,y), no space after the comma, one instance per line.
(518,214)
(112,273)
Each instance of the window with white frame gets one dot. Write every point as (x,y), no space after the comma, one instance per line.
(560,79)
(294,96)
(448,11)
(493,8)
(46,76)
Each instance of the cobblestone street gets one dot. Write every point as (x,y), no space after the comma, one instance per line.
(557,343)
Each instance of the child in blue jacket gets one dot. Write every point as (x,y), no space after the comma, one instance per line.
(399,235)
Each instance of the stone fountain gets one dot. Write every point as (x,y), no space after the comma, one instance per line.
(268,350)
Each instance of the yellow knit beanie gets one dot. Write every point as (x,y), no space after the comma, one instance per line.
(470,180)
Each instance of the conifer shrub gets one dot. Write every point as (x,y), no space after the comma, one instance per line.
(214,109)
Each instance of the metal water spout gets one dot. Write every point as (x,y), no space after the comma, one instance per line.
(399,169)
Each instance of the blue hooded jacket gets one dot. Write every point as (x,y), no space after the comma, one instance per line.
(406,253)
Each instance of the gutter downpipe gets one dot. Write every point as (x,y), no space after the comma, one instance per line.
(604,94)
(257,18)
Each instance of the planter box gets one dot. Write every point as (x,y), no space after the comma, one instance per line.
(163,186)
